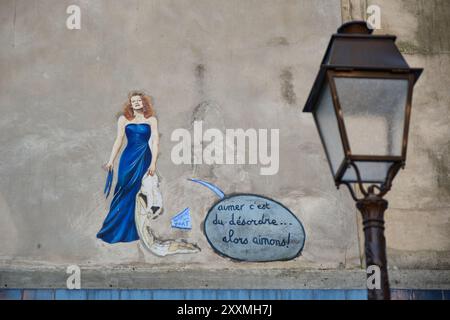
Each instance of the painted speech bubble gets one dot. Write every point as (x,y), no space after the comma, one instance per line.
(254,228)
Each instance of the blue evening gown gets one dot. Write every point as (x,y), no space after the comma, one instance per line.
(119,225)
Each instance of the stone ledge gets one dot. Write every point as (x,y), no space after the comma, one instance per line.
(145,278)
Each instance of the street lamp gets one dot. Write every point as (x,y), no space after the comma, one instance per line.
(361,103)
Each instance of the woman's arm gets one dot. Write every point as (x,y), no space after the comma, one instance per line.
(154,146)
(117,143)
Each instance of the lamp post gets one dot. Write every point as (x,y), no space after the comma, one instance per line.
(361,103)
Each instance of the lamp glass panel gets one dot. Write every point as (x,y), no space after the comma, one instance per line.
(374,114)
(327,124)
(375,172)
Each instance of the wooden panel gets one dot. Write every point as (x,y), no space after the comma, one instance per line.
(38,294)
(213,294)
(10,294)
(427,295)
(64,294)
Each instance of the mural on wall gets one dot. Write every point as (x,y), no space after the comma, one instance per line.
(137,200)
(248,227)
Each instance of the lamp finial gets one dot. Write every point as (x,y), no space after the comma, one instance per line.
(355,27)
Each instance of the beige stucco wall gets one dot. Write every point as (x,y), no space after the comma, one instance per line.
(232,64)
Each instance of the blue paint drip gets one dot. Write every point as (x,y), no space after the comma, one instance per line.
(211,187)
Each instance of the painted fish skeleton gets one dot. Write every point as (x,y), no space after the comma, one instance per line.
(148,208)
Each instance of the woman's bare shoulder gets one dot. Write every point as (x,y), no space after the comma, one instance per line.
(152,120)
(122,120)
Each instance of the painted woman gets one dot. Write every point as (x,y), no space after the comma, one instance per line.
(138,159)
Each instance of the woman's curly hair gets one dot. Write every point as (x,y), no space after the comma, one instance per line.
(146,101)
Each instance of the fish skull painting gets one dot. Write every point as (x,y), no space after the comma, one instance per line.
(149,208)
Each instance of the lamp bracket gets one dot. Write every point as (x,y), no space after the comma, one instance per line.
(383,188)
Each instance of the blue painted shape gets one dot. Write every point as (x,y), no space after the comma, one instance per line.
(182,220)
(38,294)
(250,227)
(211,187)
(10,294)
(66,294)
